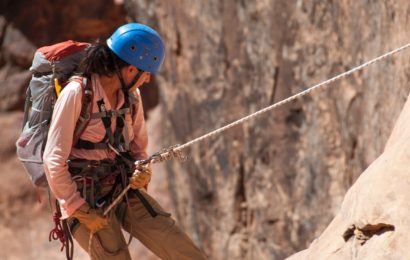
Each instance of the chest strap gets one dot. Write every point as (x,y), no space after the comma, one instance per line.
(110,113)
(116,139)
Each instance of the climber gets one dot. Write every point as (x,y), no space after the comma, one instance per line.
(85,175)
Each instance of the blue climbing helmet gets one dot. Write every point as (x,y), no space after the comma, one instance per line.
(138,45)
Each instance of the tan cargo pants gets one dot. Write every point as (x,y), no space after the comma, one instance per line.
(160,234)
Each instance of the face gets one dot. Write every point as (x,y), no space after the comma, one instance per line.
(130,72)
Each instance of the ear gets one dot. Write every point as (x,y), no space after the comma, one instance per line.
(131,69)
(128,69)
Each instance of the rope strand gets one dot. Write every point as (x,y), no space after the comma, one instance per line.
(289,99)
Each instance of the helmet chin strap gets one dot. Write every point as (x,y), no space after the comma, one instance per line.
(126,88)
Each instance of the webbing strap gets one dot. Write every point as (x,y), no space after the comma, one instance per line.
(86,107)
(107,122)
(118,136)
(135,79)
(116,139)
(87,145)
(110,113)
(145,202)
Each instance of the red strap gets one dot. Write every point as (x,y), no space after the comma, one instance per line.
(57,232)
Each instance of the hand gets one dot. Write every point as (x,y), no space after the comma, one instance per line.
(141,176)
(90,218)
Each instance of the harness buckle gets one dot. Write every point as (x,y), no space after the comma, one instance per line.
(121,148)
(99,204)
(111,113)
(93,164)
(86,117)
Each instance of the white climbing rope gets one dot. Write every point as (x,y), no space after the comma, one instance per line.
(176,151)
(323,84)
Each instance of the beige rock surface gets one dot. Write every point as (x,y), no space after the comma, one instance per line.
(373,221)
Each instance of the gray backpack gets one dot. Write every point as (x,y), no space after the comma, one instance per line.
(52,68)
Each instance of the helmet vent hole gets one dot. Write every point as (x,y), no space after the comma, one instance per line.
(133,48)
(155,58)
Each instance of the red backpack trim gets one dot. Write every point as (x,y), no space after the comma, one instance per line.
(63,49)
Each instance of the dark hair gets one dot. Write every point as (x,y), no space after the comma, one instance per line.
(100,59)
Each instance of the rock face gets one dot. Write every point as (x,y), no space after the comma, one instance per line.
(26,26)
(265,189)
(373,220)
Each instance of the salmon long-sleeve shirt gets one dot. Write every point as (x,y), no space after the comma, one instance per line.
(60,140)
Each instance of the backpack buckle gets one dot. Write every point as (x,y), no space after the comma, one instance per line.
(100,202)
(111,113)
(93,163)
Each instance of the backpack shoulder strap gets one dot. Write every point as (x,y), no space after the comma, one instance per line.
(86,106)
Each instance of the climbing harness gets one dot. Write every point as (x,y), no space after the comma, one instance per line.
(164,155)
(176,151)
(116,139)
(99,182)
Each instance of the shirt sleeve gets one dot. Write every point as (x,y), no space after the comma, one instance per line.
(59,143)
(139,143)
